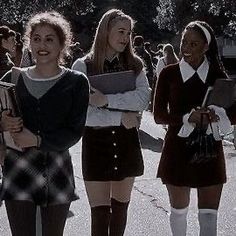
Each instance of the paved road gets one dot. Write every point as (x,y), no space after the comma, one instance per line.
(149,208)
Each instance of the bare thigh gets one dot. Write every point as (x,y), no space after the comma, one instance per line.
(179,196)
(209,197)
(98,192)
(121,190)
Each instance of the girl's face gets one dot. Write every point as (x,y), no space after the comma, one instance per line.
(45,45)
(9,44)
(118,37)
(193,47)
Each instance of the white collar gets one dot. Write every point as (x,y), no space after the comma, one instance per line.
(27,72)
(113,58)
(187,71)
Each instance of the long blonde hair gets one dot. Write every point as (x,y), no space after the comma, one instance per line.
(170,55)
(98,49)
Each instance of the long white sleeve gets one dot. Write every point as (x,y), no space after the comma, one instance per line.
(160,65)
(136,100)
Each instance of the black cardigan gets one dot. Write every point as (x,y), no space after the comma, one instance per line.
(59,115)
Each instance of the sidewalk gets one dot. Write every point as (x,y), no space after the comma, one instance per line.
(149,207)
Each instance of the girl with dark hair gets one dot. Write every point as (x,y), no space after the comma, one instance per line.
(178,96)
(111,152)
(53,101)
(7,46)
(17,55)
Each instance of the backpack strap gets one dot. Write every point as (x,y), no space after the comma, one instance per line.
(15,74)
(163,59)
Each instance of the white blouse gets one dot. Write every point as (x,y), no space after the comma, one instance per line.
(136,100)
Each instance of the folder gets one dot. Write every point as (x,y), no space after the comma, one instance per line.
(223,93)
(115,82)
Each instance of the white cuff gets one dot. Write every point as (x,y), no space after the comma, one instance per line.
(224,124)
(187,128)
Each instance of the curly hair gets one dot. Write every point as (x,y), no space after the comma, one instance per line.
(58,23)
(5,33)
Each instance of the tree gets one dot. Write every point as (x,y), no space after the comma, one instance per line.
(156,20)
(175,14)
(17,12)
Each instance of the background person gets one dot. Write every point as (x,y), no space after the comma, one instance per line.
(17,54)
(145,56)
(169,57)
(7,47)
(147,46)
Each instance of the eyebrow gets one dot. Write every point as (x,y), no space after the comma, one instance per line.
(123,29)
(50,35)
(193,41)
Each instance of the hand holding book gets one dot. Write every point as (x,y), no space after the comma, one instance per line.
(97,98)
(131,119)
(209,117)
(10,123)
(26,138)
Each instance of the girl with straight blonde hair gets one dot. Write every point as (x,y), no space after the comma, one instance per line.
(169,57)
(111,152)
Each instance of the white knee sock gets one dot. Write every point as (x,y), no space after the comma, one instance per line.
(178,221)
(208,222)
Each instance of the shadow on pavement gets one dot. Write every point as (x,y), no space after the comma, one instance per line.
(148,142)
(70,214)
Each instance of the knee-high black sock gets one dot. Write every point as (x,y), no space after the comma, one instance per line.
(118,217)
(100,219)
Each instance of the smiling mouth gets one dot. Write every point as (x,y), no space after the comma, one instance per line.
(187,54)
(43,53)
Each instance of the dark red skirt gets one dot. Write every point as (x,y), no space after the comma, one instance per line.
(175,167)
(111,153)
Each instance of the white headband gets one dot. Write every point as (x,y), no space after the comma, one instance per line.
(206,32)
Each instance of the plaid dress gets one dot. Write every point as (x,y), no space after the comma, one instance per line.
(45,175)
(44,178)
